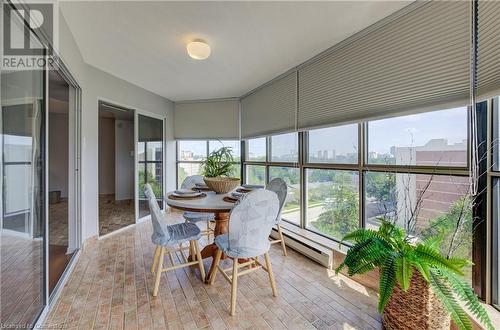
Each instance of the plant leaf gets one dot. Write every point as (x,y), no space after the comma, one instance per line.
(445,295)
(387,281)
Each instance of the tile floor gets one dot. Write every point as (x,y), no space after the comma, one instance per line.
(110,288)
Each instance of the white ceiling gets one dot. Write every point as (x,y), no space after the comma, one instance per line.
(252,42)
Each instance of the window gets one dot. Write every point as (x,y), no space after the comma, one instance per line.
(191,154)
(332,201)
(436,138)
(425,205)
(334,188)
(256,150)
(291,175)
(285,148)
(334,145)
(255,174)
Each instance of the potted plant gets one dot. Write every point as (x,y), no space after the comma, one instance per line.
(419,288)
(217,170)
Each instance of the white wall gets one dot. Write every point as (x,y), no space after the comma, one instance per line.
(106,156)
(97,85)
(124,160)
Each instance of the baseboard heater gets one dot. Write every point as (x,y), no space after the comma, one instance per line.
(306,247)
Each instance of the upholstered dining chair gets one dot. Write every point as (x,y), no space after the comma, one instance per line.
(279,186)
(166,236)
(193,217)
(250,224)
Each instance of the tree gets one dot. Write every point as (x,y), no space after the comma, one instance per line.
(342,208)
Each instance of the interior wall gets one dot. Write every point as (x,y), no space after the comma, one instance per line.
(106,156)
(59,152)
(124,160)
(97,85)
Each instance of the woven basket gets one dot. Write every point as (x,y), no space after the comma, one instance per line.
(417,308)
(222,185)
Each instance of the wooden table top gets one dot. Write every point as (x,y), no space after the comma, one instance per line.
(212,203)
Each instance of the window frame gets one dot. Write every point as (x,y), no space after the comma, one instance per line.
(362,167)
(178,161)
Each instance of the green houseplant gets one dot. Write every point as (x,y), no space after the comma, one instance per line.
(402,262)
(217,170)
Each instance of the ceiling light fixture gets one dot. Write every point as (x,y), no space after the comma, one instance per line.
(199,50)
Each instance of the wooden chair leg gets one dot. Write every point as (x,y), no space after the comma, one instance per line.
(283,246)
(200,260)
(270,273)
(234,286)
(159,271)
(218,256)
(208,232)
(155,259)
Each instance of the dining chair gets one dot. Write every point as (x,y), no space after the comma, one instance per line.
(250,223)
(279,186)
(166,236)
(194,217)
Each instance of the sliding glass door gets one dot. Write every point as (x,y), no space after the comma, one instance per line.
(150,160)
(22,207)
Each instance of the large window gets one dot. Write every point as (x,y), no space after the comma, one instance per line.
(334,145)
(191,154)
(412,170)
(436,138)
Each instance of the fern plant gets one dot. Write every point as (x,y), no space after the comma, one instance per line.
(219,163)
(391,251)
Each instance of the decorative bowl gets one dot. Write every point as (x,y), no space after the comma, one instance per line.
(221,184)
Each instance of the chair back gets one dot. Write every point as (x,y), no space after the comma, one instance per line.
(251,221)
(191,181)
(279,186)
(160,231)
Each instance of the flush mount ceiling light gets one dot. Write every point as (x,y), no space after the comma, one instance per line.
(199,50)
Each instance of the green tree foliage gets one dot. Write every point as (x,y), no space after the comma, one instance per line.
(157,189)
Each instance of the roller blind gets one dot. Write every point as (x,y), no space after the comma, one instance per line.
(488,55)
(418,59)
(270,109)
(207,120)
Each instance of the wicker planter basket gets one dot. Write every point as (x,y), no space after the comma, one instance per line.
(417,308)
(222,185)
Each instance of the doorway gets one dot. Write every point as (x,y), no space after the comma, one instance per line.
(116,168)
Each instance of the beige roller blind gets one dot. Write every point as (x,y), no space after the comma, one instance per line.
(270,109)
(417,59)
(214,119)
(488,54)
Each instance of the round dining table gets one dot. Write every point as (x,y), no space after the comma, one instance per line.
(211,203)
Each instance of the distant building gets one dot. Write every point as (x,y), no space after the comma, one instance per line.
(441,191)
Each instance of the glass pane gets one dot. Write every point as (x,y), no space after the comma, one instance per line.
(192,150)
(496,134)
(426,139)
(285,148)
(141,151)
(291,175)
(425,205)
(496,245)
(151,170)
(332,201)
(255,174)
(334,145)
(256,149)
(234,145)
(22,234)
(187,169)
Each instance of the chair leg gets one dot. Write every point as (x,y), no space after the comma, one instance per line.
(208,232)
(218,256)
(234,286)
(282,239)
(159,271)
(200,260)
(270,273)
(155,259)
